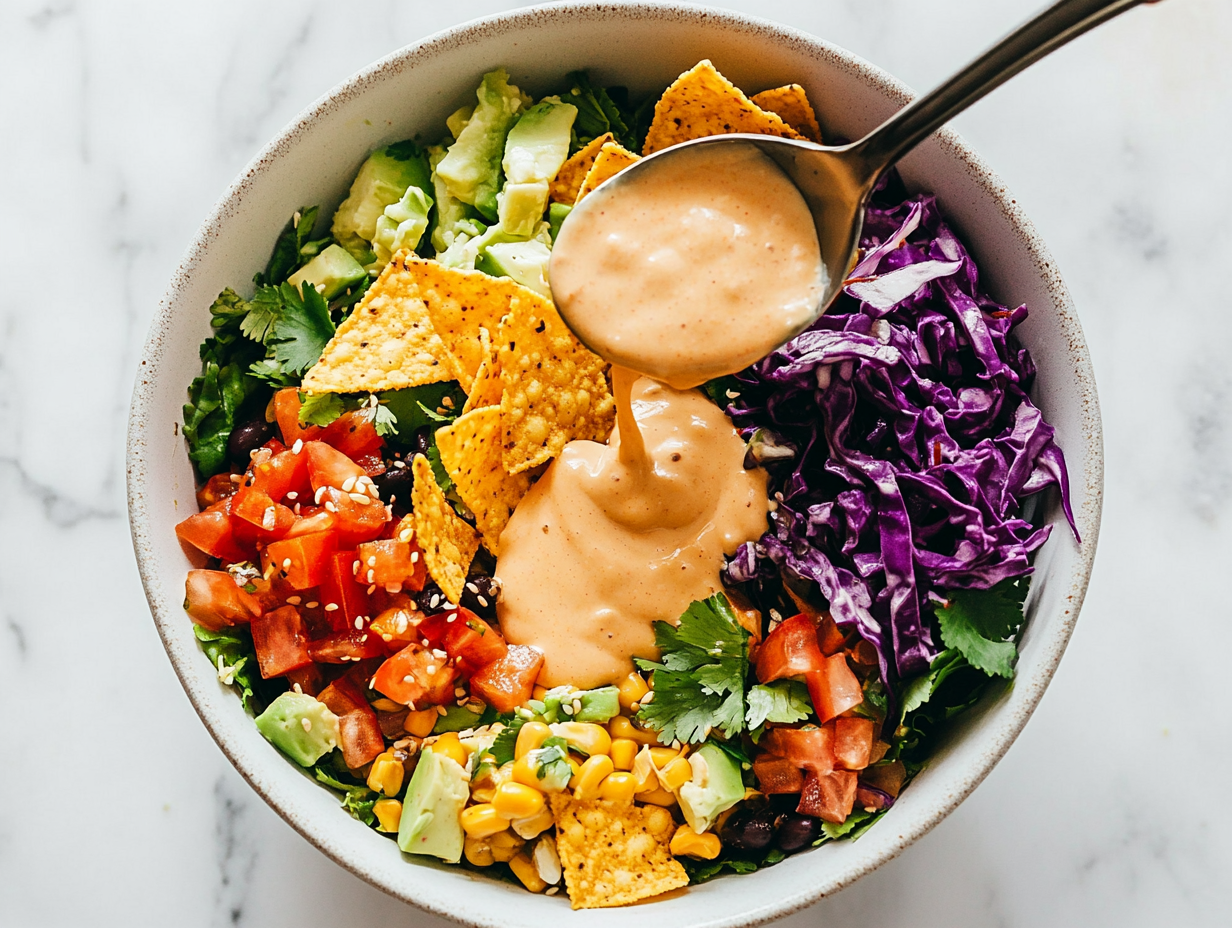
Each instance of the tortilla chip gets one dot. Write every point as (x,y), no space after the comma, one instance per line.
(387,343)
(568,181)
(447,542)
(487,387)
(703,102)
(791,104)
(471,452)
(554,387)
(460,302)
(614,853)
(611,160)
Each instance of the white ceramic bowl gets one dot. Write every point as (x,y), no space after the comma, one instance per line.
(645,47)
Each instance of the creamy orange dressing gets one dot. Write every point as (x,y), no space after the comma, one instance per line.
(616,536)
(694,266)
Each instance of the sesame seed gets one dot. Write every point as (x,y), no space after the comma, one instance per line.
(307,723)
(312,605)
(371,589)
(461,703)
(331,607)
(348,485)
(483,602)
(414,557)
(472,588)
(299,689)
(330,507)
(441,710)
(408,679)
(551,891)
(297,508)
(425,642)
(292,495)
(371,576)
(393,588)
(439,654)
(359,621)
(298,446)
(320,495)
(459,691)
(269,518)
(372,561)
(568,710)
(431,669)
(286,563)
(732,394)
(647,699)
(451,618)
(237,478)
(577,706)
(293,600)
(441,411)
(362,498)
(404,536)
(432,602)
(447,401)
(355,567)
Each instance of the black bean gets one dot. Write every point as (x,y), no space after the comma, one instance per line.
(796,831)
(248,437)
(749,829)
(420,441)
(485,588)
(395,485)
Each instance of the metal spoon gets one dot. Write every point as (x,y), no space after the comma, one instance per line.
(836,181)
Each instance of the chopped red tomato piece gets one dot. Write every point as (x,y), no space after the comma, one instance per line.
(788,651)
(211,532)
(213,601)
(373,464)
(347,646)
(312,520)
(829,797)
(309,679)
(415,677)
(302,561)
(216,489)
(343,599)
(886,777)
(286,473)
(810,748)
(361,738)
(471,640)
(507,683)
(271,520)
(853,742)
(281,641)
(354,434)
(776,775)
(286,411)
(357,521)
(389,562)
(328,467)
(830,638)
(398,623)
(834,688)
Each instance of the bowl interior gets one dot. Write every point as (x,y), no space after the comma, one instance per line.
(645,47)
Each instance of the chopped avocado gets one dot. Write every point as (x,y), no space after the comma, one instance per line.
(299,726)
(556,217)
(331,272)
(716,787)
(471,168)
(381,181)
(521,206)
(525,262)
(456,121)
(598,705)
(537,146)
(434,800)
(456,718)
(452,215)
(554,697)
(402,225)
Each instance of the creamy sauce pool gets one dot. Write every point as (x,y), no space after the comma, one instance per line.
(616,536)
(694,266)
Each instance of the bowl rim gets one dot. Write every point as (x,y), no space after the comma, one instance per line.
(1053,647)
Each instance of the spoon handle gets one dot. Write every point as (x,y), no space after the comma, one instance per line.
(1030,42)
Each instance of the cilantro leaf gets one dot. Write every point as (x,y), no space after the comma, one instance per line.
(263,310)
(699,681)
(413,408)
(302,329)
(507,739)
(978,622)
(228,311)
(384,421)
(234,647)
(781,702)
(320,408)
(215,399)
(358,799)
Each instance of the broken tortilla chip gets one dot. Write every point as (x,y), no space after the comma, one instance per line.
(387,343)
(487,387)
(461,302)
(703,102)
(614,853)
(471,452)
(568,181)
(554,387)
(791,104)
(447,542)
(611,160)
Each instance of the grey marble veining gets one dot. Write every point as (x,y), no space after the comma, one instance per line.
(120,124)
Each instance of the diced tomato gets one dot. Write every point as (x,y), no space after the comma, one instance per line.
(432,629)
(389,562)
(880,748)
(213,601)
(303,561)
(507,683)
(339,588)
(810,748)
(217,488)
(346,646)
(357,522)
(788,651)
(863,652)
(360,732)
(853,743)
(312,520)
(746,614)
(830,638)
(309,679)
(373,464)
(829,797)
(398,624)
(328,467)
(270,519)
(886,777)
(285,472)
(286,411)
(211,532)
(834,688)
(777,775)
(281,641)
(354,434)
(470,639)
(415,677)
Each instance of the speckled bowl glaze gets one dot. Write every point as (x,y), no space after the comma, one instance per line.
(643,46)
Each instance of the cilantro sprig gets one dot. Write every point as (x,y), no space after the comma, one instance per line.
(979,624)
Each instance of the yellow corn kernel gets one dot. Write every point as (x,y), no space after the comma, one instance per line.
(539,692)
(688,843)
(575,765)
(504,845)
(388,814)
(593,773)
(525,870)
(531,737)
(483,794)
(533,826)
(450,745)
(624,751)
(525,772)
(676,774)
(387,705)
(657,797)
(587,737)
(663,756)
(517,800)
(420,724)
(622,727)
(483,820)
(478,851)
(386,774)
(632,689)
(618,787)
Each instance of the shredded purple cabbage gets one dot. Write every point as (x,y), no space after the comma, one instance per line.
(915,441)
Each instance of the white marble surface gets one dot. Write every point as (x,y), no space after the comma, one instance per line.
(121,124)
